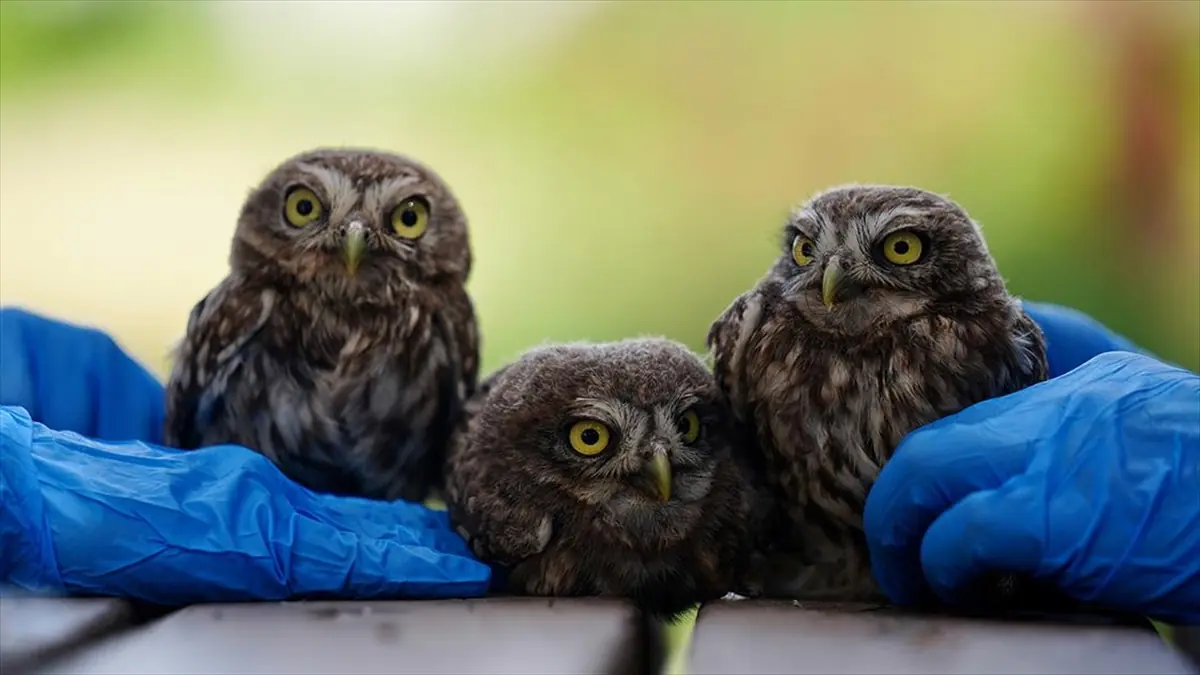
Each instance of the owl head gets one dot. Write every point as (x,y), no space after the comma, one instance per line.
(352,223)
(635,428)
(859,258)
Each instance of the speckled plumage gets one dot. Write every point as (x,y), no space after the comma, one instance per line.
(559,523)
(349,377)
(830,391)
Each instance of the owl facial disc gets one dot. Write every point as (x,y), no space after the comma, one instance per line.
(354,242)
(836,286)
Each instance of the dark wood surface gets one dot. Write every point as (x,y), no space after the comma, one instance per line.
(497,635)
(1187,638)
(785,637)
(35,629)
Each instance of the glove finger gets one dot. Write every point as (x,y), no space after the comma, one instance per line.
(327,561)
(399,521)
(993,530)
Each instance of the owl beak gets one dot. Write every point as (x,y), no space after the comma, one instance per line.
(836,286)
(354,242)
(660,470)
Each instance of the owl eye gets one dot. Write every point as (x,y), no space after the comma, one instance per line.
(302,207)
(589,437)
(689,426)
(903,248)
(410,218)
(803,250)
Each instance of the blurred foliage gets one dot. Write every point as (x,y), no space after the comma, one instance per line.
(631,178)
(48,43)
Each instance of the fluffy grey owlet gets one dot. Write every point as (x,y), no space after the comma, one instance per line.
(884,312)
(343,342)
(604,469)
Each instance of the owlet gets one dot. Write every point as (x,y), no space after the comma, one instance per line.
(604,469)
(884,312)
(343,342)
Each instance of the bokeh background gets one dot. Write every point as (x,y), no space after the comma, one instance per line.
(625,165)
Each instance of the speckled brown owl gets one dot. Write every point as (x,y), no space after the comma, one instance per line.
(604,469)
(343,342)
(884,312)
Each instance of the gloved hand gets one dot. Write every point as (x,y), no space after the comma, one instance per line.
(72,378)
(132,519)
(1090,481)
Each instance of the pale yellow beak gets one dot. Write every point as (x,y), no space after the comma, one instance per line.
(660,470)
(836,286)
(353,245)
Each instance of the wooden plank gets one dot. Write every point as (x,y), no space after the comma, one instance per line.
(35,629)
(784,637)
(494,635)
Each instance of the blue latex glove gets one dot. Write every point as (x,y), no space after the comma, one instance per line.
(1072,337)
(132,519)
(1090,481)
(73,378)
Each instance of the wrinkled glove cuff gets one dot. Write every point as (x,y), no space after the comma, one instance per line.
(27,557)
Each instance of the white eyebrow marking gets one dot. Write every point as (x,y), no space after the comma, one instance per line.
(382,194)
(806,213)
(882,219)
(822,233)
(338,188)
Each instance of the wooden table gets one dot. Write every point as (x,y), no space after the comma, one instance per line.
(531,635)
(497,635)
(790,637)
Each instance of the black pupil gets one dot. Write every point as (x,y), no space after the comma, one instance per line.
(409,218)
(806,250)
(304,207)
(684,426)
(590,436)
(900,247)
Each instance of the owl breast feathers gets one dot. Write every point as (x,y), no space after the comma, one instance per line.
(884,312)
(604,469)
(342,343)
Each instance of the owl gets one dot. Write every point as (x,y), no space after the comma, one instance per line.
(604,469)
(884,312)
(343,342)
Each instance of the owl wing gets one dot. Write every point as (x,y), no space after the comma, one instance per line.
(454,327)
(498,525)
(728,339)
(1029,364)
(468,345)
(1012,356)
(219,329)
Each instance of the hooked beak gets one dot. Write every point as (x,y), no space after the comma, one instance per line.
(660,470)
(354,242)
(836,286)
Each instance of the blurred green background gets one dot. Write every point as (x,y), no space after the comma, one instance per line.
(626,166)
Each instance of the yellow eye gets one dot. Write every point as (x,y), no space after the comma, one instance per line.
(589,437)
(902,248)
(302,207)
(689,426)
(803,250)
(410,219)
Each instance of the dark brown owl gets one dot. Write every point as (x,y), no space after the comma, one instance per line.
(343,341)
(604,469)
(884,312)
